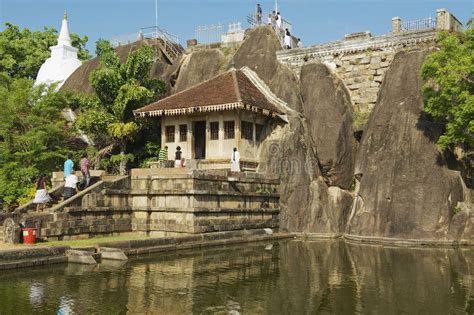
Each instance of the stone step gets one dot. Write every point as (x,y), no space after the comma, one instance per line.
(80,257)
(112,253)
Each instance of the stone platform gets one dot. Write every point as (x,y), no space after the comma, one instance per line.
(158,202)
(169,201)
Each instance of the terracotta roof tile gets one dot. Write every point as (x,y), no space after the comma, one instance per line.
(231,87)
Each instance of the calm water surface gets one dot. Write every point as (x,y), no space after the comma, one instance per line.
(285,277)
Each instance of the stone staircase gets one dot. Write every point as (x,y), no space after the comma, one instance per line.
(172,51)
(54,203)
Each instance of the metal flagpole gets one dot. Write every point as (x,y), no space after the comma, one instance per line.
(156,13)
(276,6)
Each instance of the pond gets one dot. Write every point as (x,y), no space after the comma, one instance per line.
(281,277)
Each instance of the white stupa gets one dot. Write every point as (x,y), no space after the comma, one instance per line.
(63,61)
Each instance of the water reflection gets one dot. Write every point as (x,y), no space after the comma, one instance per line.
(287,277)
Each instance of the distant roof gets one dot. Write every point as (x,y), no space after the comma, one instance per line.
(228,91)
(79,79)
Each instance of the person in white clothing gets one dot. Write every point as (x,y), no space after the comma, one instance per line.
(235,161)
(287,39)
(300,43)
(70,186)
(41,196)
(278,21)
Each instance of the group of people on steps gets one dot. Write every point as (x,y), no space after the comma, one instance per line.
(276,21)
(71,182)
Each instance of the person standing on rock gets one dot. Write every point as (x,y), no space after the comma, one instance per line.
(274,17)
(68,166)
(259,14)
(41,196)
(299,44)
(84,163)
(177,157)
(235,161)
(278,21)
(287,39)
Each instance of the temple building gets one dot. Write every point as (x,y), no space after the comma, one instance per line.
(233,109)
(63,61)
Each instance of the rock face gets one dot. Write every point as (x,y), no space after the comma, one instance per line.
(308,204)
(328,111)
(406,191)
(200,66)
(258,52)
(285,83)
(461,227)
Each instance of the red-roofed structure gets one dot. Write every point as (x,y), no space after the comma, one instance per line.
(228,91)
(211,118)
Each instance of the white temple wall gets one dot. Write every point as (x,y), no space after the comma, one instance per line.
(220,149)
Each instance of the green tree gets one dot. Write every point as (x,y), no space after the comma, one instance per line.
(22,52)
(449,88)
(33,135)
(107,116)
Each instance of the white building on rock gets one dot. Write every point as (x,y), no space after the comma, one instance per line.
(63,61)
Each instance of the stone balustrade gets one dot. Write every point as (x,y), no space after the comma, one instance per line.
(361,60)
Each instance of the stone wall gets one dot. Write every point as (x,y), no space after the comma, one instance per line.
(166,202)
(82,224)
(360,62)
(162,202)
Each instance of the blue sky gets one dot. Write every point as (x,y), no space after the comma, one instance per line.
(315,21)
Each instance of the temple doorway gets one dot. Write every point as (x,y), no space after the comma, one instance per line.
(199,134)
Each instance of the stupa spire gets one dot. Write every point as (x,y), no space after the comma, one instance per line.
(64,38)
(63,61)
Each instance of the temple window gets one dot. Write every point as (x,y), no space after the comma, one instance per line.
(183,133)
(214,126)
(247,130)
(229,129)
(258,132)
(169,133)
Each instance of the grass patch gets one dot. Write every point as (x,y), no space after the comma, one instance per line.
(360,120)
(93,241)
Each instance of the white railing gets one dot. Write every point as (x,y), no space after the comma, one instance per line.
(417,25)
(144,32)
(169,42)
(254,21)
(208,34)
(125,39)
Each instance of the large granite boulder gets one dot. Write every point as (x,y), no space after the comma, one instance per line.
(406,190)
(285,85)
(258,52)
(328,111)
(461,227)
(200,66)
(307,204)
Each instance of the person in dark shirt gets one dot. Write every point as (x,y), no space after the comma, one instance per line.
(177,157)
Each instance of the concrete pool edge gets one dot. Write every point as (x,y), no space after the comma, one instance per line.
(385,240)
(40,256)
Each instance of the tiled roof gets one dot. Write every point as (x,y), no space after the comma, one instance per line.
(227,91)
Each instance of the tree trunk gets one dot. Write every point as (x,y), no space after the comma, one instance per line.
(123,162)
